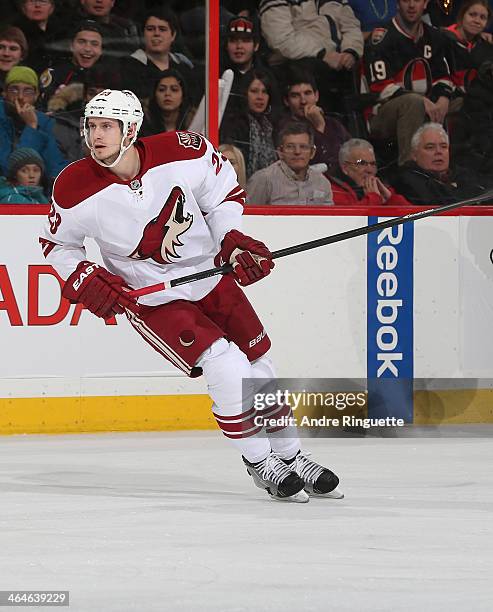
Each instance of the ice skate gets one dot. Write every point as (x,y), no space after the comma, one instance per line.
(280,481)
(319,480)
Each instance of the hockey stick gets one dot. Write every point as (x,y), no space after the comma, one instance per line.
(314,244)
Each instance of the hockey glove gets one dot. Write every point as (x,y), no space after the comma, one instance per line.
(250,258)
(100,291)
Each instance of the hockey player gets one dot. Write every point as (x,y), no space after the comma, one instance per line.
(161,207)
(406,68)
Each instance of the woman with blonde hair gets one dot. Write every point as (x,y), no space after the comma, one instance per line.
(237,160)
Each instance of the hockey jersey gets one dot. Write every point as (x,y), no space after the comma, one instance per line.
(167,222)
(465,57)
(396,63)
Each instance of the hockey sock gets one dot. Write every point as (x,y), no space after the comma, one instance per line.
(225,367)
(283,435)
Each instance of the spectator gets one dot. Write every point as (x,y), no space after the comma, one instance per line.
(251,130)
(121,36)
(467,49)
(408,73)
(472,130)
(357,183)
(327,30)
(242,42)
(22,125)
(290,180)
(327,34)
(25,178)
(301,100)
(237,160)
(428,178)
(86,48)
(43,29)
(241,56)
(69,105)
(13,50)
(169,107)
(145,66)
(373,14)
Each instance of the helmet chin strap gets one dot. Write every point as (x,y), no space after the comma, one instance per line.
(120,154)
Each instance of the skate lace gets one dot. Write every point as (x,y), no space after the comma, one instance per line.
(308,469)
(274,469)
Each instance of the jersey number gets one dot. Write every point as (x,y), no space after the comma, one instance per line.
(378,71)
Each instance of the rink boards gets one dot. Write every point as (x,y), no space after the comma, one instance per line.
(414,302)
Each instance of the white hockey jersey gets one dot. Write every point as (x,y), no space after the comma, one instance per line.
(165,223)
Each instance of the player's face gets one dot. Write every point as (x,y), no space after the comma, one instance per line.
(474,21)
(432,153)
(257,97)
(411,11)
(87,48)
(10,54)
(169,94)
(97,8)
(29,175)
(105,136)
(299,97)
(240,50)
(360,164)
(296,151)
(38,10)
(158,36)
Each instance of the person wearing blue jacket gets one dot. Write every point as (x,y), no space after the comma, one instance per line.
(21,125)
(25,180)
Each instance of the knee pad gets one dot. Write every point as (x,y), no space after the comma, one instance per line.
(223,361)
(263,367)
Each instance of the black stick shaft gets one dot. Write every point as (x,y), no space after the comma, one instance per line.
(359,231)
(367,229)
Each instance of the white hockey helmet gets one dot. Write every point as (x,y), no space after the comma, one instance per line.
(115,104)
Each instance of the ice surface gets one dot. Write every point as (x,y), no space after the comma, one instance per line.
(172,522)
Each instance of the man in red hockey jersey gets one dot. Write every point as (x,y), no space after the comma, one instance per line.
(166,206)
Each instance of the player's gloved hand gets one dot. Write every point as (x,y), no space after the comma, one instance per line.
(100,291)
(250,258)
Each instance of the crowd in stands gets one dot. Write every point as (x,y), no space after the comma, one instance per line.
(332,102)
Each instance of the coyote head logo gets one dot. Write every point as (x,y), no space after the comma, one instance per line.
(161,236)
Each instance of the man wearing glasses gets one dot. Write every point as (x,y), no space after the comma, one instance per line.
(21,125)
(290,180)
(357,183)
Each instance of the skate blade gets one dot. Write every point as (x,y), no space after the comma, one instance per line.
(299,498)
(334,494)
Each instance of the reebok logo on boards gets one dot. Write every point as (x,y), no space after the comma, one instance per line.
(387,336)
